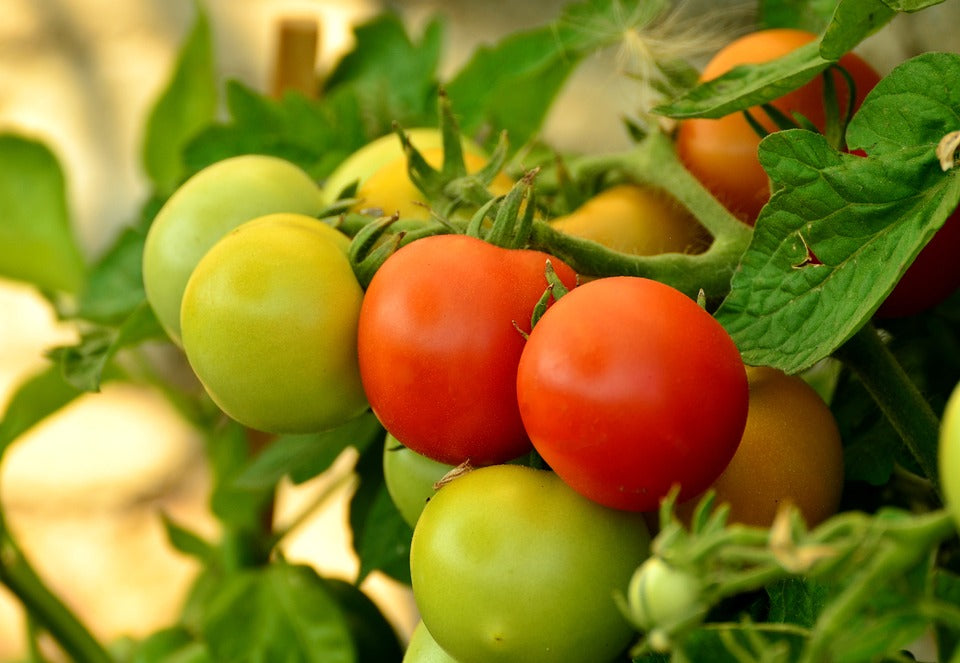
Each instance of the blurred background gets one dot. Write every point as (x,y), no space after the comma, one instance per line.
(84,490)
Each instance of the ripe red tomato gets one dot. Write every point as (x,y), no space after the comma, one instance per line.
(722,153)
(626,387)
(933,276)
(439,340)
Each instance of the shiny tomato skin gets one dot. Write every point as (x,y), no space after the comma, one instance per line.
(791,451)
(626,387)
(722,153)
(439,339)
(410,478)
(509,565)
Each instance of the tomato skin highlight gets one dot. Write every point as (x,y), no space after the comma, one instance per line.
(722,152)
(626,386)
(439,340)
(509,564)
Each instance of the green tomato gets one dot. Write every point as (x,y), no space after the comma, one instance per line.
(660,595)
(510,564)
(269,322)
(410,478)
(424,649)
(949,457)
(205,208)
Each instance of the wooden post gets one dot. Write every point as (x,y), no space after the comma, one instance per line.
(296,55)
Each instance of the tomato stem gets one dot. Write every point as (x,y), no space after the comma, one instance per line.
(897,396)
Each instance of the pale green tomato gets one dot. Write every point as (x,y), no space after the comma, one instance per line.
(949,457)
(410,478)
(660,595)
(510,564)
(269,322)
(205,208)
(424,649)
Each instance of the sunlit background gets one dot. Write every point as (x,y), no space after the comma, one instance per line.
(83,490)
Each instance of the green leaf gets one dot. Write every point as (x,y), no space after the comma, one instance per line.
(394,77)
(240,509)
(946,587)
(910,5)
(810,15)
(863,219)
(174,644)
(186,541)
(34,400)
(188,104)
(796,600)
(114,287)
(83,365)
(381,537)
(511,85)
(373,636)
(314,134)
(302,457)
(37,244)
(853,21)
(280,612)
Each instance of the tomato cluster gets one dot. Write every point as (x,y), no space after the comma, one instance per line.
(532,418)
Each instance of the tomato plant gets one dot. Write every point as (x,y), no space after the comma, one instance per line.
(440,334)
(410,478)
(205,208)
(509,564)
(790,451)
(269,321)
(623,416)
(722,152)
(635,219)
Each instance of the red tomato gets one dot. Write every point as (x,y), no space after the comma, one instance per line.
(722,153)
(933,276)
(626,387)
(439,340)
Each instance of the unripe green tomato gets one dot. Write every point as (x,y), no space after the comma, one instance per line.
(269,323)
(509,564)
(949,457)
(424,649)
(410,478)
(205,208)
(660,594)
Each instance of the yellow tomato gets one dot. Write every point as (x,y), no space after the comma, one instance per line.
(637,220)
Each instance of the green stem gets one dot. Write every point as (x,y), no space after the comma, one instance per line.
(44,607)
(897,396)
(653,162)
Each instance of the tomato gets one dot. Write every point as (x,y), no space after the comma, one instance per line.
(424,649)
(389,190)
(204,209)
(381,151)
(949,456)
(626,386)
(410,478)
(635,219)
(791,451)
(722,153)
(269,325)
(439,340)
(933,276)
(508,564)
(660,594)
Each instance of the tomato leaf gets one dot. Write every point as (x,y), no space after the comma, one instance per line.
(314,134)
(302,457)
(37,244)
(174,644)
(852,22)
(395,78)
(374,637)
(185,541)
(863,220)
(796,600)
(114,286)
(188,104)
(947,588)
(810,15)
(287,613)
(35,399)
